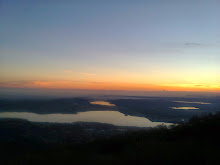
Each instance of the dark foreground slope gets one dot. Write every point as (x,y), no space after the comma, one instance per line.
(197,142)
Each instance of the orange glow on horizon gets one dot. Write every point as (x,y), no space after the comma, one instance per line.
(111,86)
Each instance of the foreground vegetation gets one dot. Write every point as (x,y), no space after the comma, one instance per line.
(195,142)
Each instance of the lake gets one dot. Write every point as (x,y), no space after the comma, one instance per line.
(109,117)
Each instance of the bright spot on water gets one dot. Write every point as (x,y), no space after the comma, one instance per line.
(184,108)
(102,103)
(189,102)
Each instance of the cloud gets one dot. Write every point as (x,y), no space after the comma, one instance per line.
(193,44)
(86,74)
(89,74)
(67,71)
(196,45)
(198,85)
(39,84)
(16,83)
(76,85)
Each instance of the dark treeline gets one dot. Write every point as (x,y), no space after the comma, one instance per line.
(195,142)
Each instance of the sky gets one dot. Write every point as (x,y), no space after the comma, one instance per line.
(110,45)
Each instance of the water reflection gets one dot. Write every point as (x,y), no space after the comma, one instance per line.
(190,102)
(102,103)
(110,117)
(185,108)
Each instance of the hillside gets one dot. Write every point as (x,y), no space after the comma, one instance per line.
(195,142)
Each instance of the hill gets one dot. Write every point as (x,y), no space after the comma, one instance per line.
(195,142)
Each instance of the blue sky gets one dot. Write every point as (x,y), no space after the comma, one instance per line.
(138,41)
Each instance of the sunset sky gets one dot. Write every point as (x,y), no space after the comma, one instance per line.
(110,45)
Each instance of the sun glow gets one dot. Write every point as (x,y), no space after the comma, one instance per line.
(96,85)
